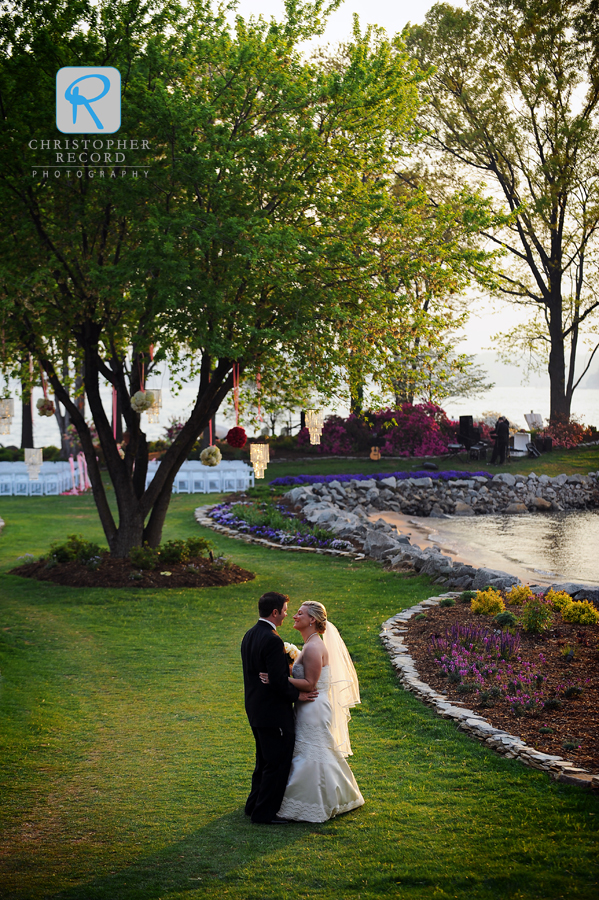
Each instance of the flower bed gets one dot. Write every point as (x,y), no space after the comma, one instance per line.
(450,474)
(276,523)
(542,686)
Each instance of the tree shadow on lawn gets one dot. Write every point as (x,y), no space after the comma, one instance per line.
(201,860)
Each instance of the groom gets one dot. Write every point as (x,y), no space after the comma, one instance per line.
(269,708)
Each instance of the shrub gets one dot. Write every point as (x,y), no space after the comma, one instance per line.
(536,615)
(75,549)
(197,546)
(518,594)
(558,599)
(553,703)
(144,557)
(467,596)
(505,619)
(580,612)
(174,552)
(487,603)
(447,601)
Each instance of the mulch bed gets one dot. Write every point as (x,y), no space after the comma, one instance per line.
(576,721)
(116,573)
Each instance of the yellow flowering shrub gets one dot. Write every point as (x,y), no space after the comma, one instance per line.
(518,594)
(487,603)
(580,612)
(558,599)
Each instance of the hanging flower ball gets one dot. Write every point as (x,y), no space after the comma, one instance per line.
(210,456)
(142,400)
(45,407)
(236,437)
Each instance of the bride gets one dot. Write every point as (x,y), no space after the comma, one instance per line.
(321,784)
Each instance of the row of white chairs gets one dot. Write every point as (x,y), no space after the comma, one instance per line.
(194,478)
(54,478)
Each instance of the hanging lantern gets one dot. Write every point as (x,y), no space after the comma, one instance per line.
(33,461)
(314,423)
(7,411)
(260,457)
(154,410)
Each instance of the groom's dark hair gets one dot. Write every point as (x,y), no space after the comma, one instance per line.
(270,601)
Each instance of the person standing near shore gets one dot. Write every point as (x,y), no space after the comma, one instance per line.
(502,439)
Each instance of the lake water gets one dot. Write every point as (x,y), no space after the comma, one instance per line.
(560,546)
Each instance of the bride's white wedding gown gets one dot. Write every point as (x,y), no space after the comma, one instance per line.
(321,784)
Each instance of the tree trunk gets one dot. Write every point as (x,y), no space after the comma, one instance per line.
(27,417)
(559,410)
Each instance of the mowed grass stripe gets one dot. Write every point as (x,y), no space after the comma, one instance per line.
(126,754)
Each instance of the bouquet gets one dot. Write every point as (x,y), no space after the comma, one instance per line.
(45,407)
(210,456)
(142,400)
(291,651)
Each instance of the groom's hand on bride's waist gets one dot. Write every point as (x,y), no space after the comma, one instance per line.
(308,696)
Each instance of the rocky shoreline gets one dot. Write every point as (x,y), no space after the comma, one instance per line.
(346,510)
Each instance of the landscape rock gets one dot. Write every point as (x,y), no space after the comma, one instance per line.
(516,508)
(463,509)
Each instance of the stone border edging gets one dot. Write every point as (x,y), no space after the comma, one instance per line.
(508,745)
(203,519)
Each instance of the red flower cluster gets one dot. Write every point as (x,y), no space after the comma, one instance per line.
(236,437)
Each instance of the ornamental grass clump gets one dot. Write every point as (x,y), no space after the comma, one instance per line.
(518,594)
(487,603)
(536,616)
(580,612)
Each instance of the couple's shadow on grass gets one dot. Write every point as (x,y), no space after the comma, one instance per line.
(203,858)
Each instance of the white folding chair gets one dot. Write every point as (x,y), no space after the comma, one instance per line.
(6,485)
(214,481)
(229,480)
(20,486)
(36,488)
(182,480)
(51,484)
(198,482)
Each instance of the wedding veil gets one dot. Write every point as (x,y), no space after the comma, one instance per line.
(344,691)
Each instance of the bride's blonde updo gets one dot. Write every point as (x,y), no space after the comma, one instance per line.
(319,612)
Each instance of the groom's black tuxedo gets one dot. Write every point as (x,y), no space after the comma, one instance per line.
(270,712)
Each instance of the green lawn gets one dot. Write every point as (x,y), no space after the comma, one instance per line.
(126,755)
(569,461)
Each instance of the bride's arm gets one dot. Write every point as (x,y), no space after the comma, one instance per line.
(312,662)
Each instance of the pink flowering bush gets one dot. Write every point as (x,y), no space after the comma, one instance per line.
(420,429)
(565,434)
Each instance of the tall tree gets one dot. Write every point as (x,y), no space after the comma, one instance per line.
(513,101)
(253,234)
